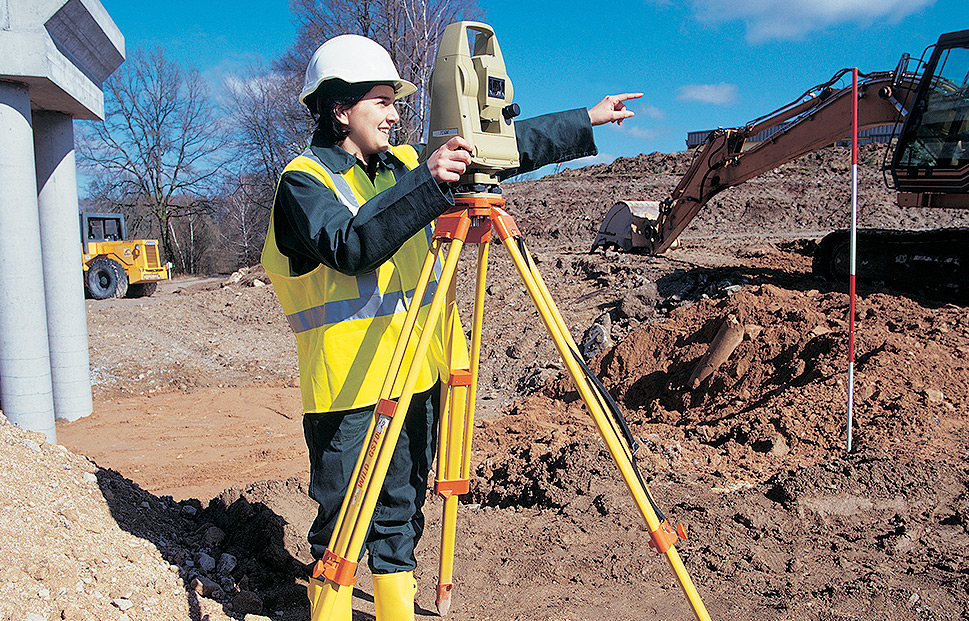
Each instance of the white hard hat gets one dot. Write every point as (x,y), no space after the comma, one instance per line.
(353,59)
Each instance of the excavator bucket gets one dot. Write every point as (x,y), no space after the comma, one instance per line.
(628,226)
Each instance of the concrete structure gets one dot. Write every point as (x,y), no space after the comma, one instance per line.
(61,251)
(54,57)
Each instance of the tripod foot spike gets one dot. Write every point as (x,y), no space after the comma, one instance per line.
(444,598)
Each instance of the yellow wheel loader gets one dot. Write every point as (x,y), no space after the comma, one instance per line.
(114,266)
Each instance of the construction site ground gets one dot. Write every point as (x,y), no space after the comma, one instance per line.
(183,495)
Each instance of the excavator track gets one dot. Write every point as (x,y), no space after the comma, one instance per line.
(933,264)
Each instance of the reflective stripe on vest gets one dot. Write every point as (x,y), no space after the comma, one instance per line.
(342,189)
(370,304)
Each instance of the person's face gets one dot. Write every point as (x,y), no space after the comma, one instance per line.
(370,121)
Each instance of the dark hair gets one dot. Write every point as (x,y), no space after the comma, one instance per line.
(329,97)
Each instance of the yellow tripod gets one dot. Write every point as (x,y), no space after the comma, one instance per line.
(471,221)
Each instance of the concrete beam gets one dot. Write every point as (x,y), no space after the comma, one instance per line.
(63,50)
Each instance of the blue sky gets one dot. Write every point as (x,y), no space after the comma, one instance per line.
(700,63)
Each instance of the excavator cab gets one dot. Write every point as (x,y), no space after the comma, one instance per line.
(933,149)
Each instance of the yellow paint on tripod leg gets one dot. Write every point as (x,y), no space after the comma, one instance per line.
(686,584)
(389,441)
(323,597)
(446,569)
(335,544)
(477,322)
(410,319)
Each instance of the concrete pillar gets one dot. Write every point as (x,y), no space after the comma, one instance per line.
(61,249)
(25,378)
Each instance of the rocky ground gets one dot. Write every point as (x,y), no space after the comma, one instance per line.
(183,495)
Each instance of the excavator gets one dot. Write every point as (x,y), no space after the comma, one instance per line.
(928,162)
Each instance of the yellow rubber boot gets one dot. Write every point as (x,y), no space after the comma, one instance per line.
(342,608)
(393,596)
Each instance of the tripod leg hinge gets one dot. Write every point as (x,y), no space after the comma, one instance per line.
(386,407)
(664,537)
(459,377)
(453,224)
(335,569)
(449,487)
(504,224)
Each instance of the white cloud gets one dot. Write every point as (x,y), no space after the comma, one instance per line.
(635,131)
(253,82)
(718,94)
(768,20)
(650,111)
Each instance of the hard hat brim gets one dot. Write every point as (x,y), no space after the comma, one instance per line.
(402,88)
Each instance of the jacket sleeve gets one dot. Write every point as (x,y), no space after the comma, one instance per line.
(313,227)
(552,138)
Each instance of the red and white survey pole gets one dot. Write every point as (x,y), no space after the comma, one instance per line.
(853,248)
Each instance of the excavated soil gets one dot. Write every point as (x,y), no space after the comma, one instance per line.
(183,496)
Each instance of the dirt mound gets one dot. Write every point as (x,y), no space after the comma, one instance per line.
(83,542)
(752,459)
(843,539)
(810,195)
(80,542)
(780,399)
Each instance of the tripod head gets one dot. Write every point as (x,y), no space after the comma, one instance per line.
(471,97)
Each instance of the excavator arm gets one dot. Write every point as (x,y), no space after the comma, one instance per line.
(818,119)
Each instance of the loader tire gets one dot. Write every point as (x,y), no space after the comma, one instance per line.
(103,278)
(142,289)
(122,289)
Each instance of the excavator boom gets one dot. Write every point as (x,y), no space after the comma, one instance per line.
(821,119)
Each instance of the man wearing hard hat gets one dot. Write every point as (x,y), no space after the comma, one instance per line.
(350,227)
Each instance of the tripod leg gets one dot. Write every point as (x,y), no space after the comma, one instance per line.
(452,421)
(454,456)
(338,565)
(621,453)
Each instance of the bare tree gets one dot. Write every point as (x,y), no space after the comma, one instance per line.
(410,30)
(195,245)
(270,128)
(161,143)
(242,223)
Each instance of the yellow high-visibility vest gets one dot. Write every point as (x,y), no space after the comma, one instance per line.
(346,327)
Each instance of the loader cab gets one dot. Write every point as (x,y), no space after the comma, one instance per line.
(101,227)
(933,148)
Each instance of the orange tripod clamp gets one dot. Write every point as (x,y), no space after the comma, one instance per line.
(335,569)
(664,537)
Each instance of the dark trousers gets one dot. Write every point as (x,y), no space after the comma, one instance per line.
(335,439)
